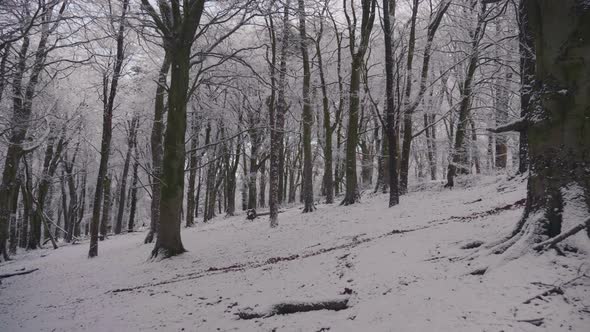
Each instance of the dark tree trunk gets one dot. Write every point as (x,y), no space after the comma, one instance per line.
(459,163)
(558,135)
(133,207)
(123,185)
(307,116)
(527,72)
(156,147)
(169,242)
(106,209)
(22,103)
(262,182)
(107,131)
(192,172)
(390,114)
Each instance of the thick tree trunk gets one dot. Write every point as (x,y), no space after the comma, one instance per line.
(352,195)
(156,148)
(390,115)
(169,242)
(527,72)
(559,139)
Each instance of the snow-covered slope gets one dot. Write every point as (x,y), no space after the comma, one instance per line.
(402,269)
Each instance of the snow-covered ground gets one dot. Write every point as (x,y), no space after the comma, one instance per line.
(402,268)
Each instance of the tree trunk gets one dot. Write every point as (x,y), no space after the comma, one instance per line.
(133,207)
(169,242)
(107,132)
(390,114)
(307,116)
(123,186)
(559,140)
(192,172)
(106,209)
(459,164)
(262,182)
(277,172)
(156,148)
(527,72)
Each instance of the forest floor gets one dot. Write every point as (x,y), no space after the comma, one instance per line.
(398,269)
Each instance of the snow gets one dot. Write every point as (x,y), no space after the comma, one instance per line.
(404,266)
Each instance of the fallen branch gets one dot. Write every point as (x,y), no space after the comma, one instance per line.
(554,290)
(286,308)
(555,240)
(7,275)
(534,321)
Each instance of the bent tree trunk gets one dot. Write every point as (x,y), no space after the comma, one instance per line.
(559,138)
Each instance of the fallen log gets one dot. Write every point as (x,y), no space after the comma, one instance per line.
(286,308)
(7,275)
(251,214)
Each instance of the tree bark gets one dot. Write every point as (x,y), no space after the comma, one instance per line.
(107,131)
(156,148)
(307,116)
(123,185)
(559,139)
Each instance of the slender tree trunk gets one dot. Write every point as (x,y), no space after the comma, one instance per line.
(106,209)
(307,117)
(192,173)
(458,164)
(133,207)
(107,128)
(123,186)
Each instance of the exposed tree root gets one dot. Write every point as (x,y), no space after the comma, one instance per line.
(286,308)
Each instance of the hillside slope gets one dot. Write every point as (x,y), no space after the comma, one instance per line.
(401,269)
